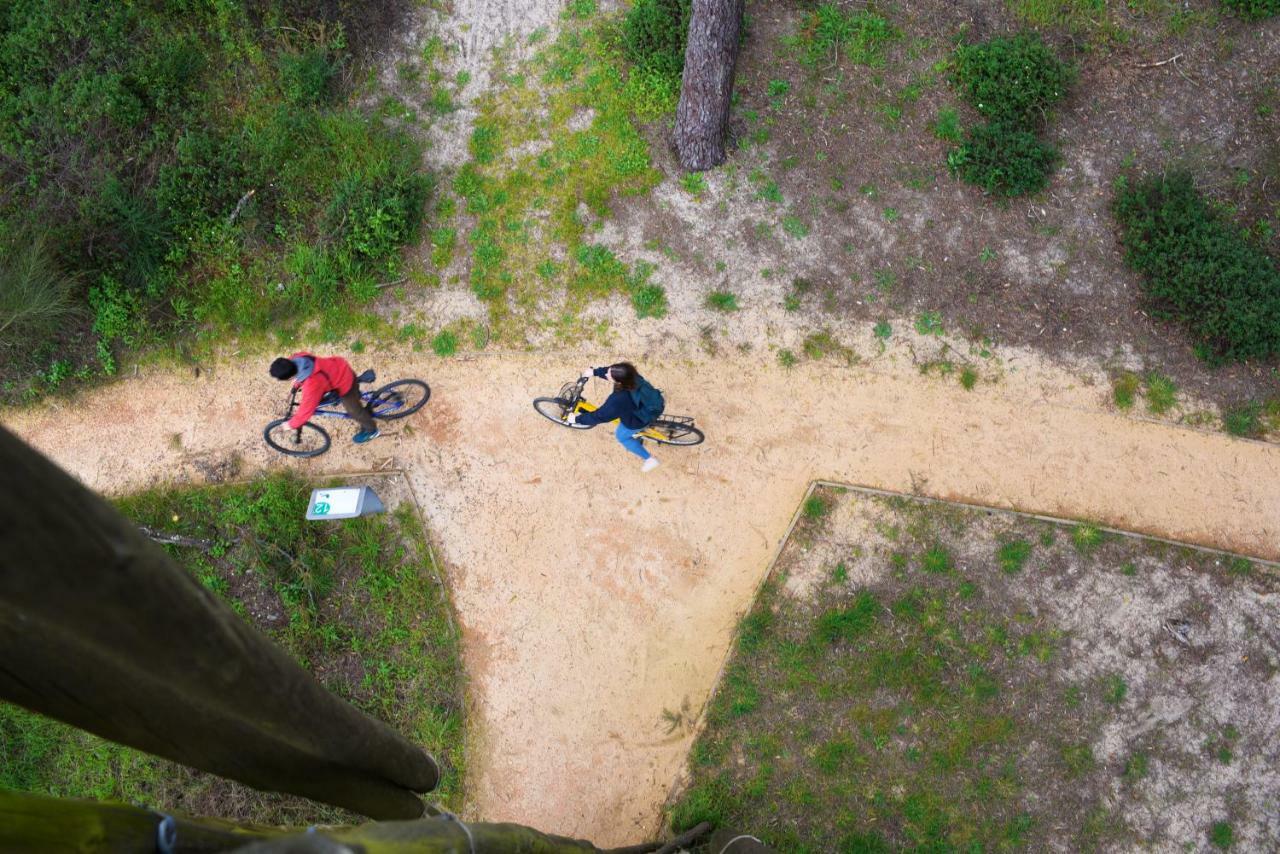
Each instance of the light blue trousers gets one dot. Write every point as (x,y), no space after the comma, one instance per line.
(627,436)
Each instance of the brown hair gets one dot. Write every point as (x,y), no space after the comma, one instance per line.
(624,375)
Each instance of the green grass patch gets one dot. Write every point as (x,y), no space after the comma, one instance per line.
(847,623)
(1013,555)
(816,507)
(937,559)
(1115,690)
(829,35)
(794,226)
(1244,421)
(649,300)
(1078,760)
(694,183)
(1240,566)
(445,343)
(946,126)
(359,602)
(929,323)
(1136,767)
(1162,394)
(524,204)
(1124,390)
(1086,538)
(820,345)
(1221,835)
(722,301)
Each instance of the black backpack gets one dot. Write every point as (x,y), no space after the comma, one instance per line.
(648,400)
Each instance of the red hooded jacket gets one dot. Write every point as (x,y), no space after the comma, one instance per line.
(330,373)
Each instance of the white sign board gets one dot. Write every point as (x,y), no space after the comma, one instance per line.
(343,502)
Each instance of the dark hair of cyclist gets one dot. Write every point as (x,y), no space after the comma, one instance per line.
(283,368)
(624,375)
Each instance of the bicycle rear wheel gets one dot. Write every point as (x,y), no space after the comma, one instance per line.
(675,432)
(555,409)
(310,440)
(398,399)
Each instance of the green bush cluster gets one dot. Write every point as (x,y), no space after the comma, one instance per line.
(1012,82)
(175,158)
(1253,10)
(1199,268)
(654,34)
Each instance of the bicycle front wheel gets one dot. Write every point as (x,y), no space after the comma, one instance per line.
(674,433)
(308,441)
(556,409)
(398,399)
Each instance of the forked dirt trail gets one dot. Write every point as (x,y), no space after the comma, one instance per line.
(592,597)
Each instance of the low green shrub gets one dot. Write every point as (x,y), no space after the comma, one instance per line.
(178,156)
(1003,159)
(654,34)
(1199,268)
(1253,10)
(1013,80)
(35,296)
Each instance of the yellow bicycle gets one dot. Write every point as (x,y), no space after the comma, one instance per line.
(666,430)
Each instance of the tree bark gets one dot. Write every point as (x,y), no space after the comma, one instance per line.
(41,823)
(711,53)
(100,629)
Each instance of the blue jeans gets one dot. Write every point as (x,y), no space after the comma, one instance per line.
(627,436)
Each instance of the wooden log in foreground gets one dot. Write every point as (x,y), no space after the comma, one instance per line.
(100,629)
(39,823)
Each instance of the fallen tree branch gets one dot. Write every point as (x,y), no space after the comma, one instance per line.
(676,844)
(1172,59)
(176,539)
(244,200)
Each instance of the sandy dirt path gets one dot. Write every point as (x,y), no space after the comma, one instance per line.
(591,597)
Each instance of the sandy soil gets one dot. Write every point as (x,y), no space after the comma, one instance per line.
(591,597)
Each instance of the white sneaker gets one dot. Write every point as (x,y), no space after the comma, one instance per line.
(649,464)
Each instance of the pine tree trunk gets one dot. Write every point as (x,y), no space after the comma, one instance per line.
(100,629)
(702,117)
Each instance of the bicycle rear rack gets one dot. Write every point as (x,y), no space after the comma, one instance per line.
(683,420)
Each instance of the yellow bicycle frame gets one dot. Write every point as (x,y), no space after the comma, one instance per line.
(587,406)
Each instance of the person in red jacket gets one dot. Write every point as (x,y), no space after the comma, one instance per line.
(316,376)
